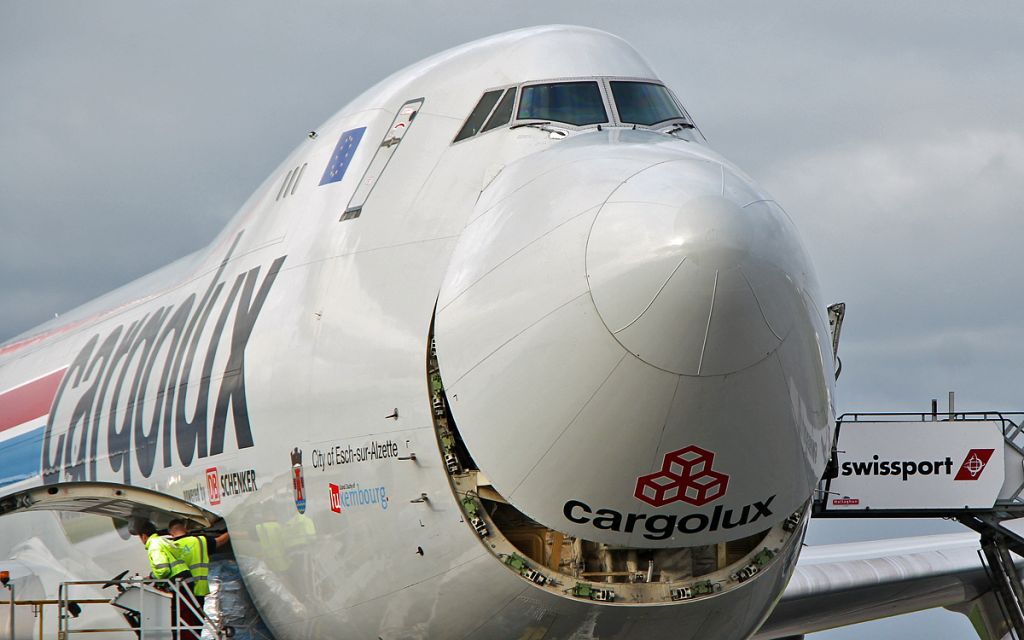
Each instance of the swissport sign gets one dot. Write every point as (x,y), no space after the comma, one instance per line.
(918,465)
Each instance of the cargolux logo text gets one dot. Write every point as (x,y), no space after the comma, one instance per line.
(685,476)
(163,388)
(663,526)
(974,464)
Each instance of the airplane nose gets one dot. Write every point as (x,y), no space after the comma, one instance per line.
(629,339)
(683,277)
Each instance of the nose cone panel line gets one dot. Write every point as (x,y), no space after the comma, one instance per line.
(611,304)
(665,254)
(504,227)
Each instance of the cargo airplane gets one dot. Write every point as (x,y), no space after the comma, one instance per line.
(501,350)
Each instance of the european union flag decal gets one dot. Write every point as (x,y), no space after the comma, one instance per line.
(343,153)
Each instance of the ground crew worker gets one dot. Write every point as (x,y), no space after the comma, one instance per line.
(166,563)
(195,551)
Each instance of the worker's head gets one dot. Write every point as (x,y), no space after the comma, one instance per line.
(177,528)
(144,530)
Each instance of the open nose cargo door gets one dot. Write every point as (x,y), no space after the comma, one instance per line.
(118,501)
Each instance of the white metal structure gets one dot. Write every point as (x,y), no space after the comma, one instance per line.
(151,607)
(504,350)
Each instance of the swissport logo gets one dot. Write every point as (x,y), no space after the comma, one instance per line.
(974,464)
(685,476)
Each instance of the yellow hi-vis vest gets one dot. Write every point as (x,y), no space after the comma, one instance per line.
(197,557)
(164,558)
(272,545)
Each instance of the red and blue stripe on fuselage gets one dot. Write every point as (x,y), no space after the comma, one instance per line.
(23,413)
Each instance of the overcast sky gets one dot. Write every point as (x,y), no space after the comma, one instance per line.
(130,132)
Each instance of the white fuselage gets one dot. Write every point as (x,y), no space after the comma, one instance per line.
(600,300)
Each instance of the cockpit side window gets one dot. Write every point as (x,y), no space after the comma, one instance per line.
(574,103)
(503,112)
(644,103)
(479,115)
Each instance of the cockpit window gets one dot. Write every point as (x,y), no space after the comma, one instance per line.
(575,103)
(644,103)
(555,107)
(480,113)
(503,112)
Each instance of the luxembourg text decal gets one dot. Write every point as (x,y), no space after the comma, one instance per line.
(170,382)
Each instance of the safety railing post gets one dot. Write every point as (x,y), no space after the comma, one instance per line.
(10,587)
(61,634)
(37,611)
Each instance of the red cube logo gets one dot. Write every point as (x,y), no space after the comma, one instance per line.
(685,476)
(705,487)
(686,462)
(658,489)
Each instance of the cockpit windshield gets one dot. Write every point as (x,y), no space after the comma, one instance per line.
(575,103)
(560,107)
(643,103)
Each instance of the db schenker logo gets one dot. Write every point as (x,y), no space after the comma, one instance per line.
(685,476)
